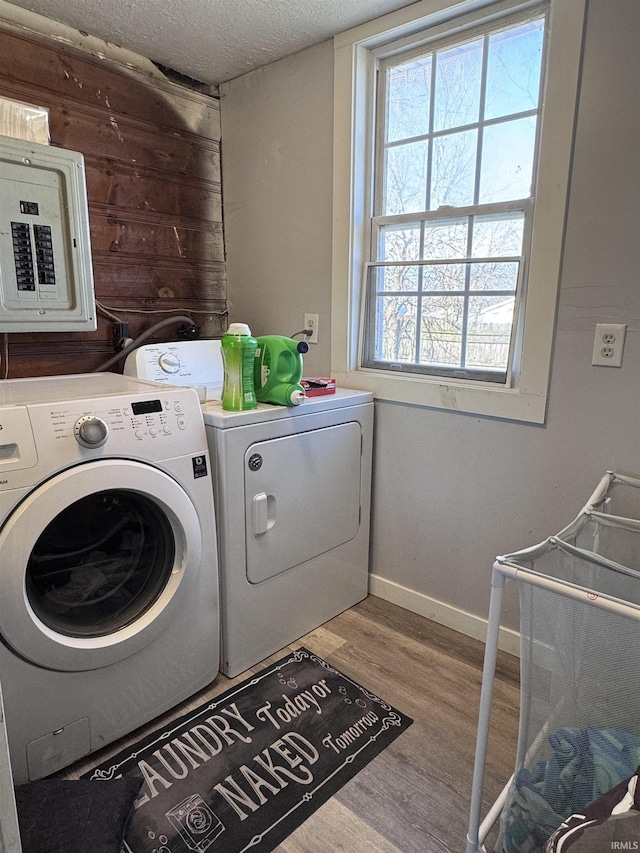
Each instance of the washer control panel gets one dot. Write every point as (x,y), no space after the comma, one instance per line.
(108,423)
(153,418)
(50,423)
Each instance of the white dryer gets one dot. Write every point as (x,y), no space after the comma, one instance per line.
(109,610)
(292,490)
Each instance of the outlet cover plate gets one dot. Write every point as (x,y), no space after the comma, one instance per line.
(608,344)
(311,322)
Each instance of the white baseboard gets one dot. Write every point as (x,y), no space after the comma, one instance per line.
(443,614)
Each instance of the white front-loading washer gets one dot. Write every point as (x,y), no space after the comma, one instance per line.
(292,488)
(109,604)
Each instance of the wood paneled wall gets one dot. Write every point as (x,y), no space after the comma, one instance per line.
(152,155)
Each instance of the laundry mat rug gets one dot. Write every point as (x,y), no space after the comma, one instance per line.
(244,770)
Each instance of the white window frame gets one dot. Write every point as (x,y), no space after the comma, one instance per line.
(355,51)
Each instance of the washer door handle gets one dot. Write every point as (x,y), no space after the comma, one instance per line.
(264,513)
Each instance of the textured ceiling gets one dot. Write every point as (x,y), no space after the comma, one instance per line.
(212,40)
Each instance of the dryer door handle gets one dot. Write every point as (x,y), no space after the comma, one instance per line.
(264,513)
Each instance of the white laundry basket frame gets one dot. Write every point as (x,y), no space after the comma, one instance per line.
(616,494)
(519,567)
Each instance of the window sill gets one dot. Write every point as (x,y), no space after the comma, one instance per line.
(487,401)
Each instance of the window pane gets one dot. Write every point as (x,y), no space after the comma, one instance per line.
(394,279)
(507,160)
(396,328)
(406,178)
(445,239)
(400,243)
(443,277)
(489,332)
(513,70)
(497,276)
(454,169)
(497,236)
(441,330)
(457,97)
(446,303)
(409,87)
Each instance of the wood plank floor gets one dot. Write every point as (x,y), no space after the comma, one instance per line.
(414,796)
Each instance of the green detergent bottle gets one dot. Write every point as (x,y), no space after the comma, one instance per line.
(238,356)
(278,370)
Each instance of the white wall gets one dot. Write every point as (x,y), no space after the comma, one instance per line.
(450,490)
(277,191)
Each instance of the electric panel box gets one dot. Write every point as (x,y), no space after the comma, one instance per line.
(46,277)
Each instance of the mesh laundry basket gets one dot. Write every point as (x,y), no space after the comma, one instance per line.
(611,537)
(579,732)
(617,494)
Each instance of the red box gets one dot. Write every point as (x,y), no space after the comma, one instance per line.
(318,386)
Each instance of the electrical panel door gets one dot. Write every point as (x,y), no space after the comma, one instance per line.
(46,279)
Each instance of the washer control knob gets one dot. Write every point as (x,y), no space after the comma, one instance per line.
(91,431)
(169,362)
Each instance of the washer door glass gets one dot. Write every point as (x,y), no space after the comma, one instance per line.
(96,563)
(100,564)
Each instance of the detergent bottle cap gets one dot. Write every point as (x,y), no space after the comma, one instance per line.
(239,329)
(297,397)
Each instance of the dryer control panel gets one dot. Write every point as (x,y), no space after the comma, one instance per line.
(197,364)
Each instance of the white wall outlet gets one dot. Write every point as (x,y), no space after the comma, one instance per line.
(609,344)
(311,322)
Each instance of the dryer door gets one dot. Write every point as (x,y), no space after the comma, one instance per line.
(302,495)
(95,563)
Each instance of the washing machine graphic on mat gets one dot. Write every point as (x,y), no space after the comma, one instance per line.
(197,824)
